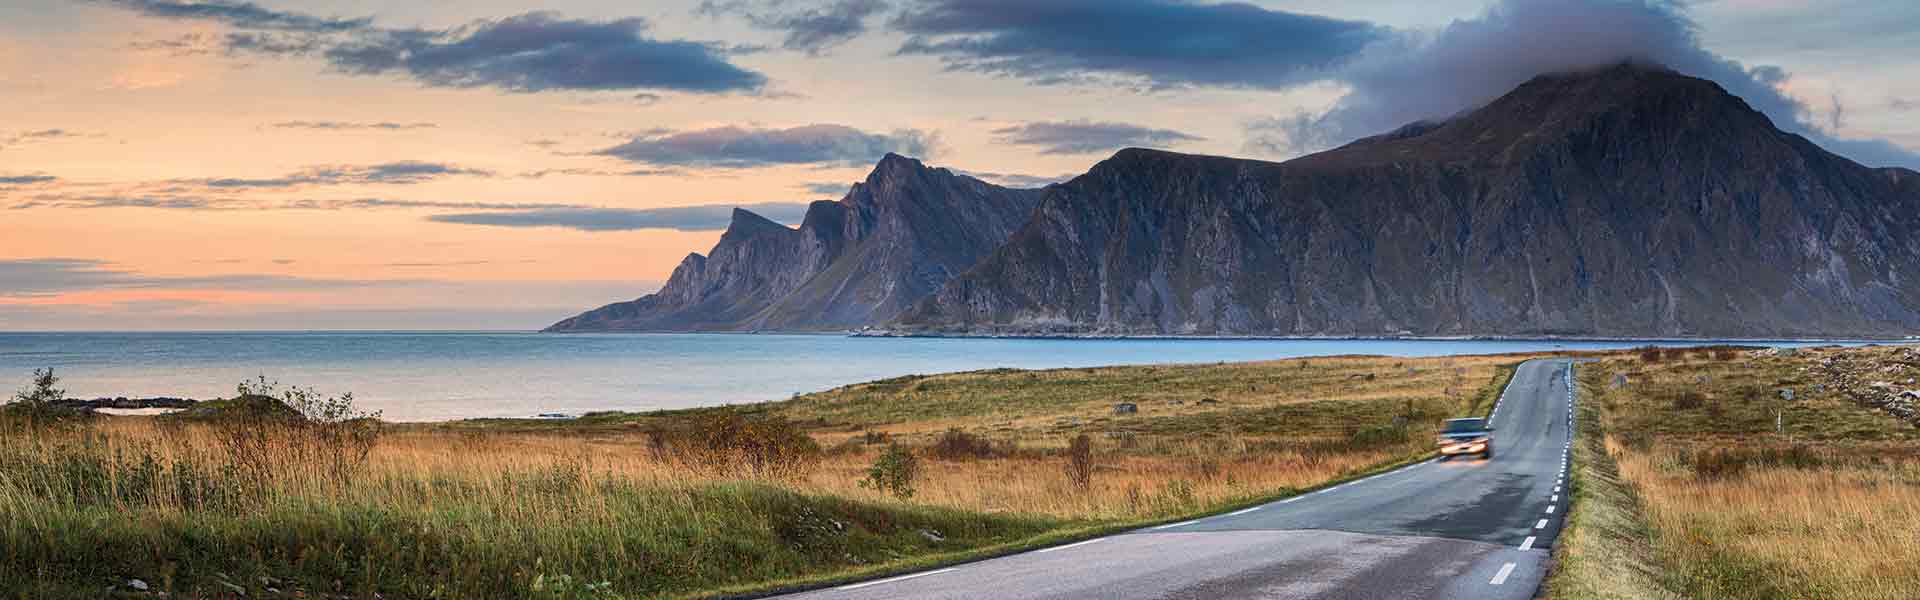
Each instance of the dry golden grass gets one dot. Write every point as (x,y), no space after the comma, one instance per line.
(1748,495)
(501,509)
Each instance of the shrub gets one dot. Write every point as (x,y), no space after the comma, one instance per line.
(729,445)
(1649,355)
(1729,463)
(38,404)
(1689,400)
(264,428)
(1723,353)
(893,472)
(1080,461)
(956,444)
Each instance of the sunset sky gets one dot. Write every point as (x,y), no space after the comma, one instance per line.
(167,164)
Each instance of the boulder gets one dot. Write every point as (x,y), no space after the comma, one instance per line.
(1126,408)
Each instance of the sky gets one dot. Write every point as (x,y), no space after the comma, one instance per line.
(488,164)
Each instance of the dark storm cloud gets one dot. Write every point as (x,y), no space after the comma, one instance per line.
(1087,137)
(810,29)
(242,14)
(1163,43)
(712,217)
(737,147)
(1433,76)
(531,52)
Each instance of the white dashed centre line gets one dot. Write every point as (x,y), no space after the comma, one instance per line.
(1501,577)
(1527,545)
(895,579)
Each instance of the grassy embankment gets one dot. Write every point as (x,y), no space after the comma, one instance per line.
(691,503)
(1697,478)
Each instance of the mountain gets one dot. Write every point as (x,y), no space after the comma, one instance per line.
(1623,201)
(895,238)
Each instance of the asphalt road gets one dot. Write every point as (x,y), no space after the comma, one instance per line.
(1459,528)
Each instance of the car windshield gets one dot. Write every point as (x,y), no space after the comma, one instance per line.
(1465,425)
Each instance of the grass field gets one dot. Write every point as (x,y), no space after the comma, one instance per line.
(1707,471)
(691,503)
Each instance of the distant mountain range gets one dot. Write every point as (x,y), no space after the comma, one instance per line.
(1627,201)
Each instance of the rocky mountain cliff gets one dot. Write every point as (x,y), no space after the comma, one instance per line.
(1627,201)
(895,238)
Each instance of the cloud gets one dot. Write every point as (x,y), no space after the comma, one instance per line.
(26,179)
(1156,43)
(579,172)
(188,201)
(42,277)
(1434,75)
(531,52)
(711,217)
(1087,137)
(812,30)
(394,173)
(242,14)
(827,188)
(25,137)
(350,126)
(737,147)
(1015,180)
(540,51)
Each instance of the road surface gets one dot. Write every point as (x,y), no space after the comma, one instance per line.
(1460,528)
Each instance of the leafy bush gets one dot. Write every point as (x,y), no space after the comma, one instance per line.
(893,472)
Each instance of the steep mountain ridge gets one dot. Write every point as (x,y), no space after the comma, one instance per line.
(896,237)
(1628,201)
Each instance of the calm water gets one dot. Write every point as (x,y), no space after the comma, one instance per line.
(440,376)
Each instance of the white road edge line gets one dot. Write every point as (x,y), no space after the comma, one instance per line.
(1541,525)
(1180,524)
(1501,577)
(1549,509)
(1242,512)
(1075,545)
(1527,545)
(894,579)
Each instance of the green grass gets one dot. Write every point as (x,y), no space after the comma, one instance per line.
(64,534)
(1603,552)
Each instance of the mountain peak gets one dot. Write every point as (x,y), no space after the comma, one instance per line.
(747,223)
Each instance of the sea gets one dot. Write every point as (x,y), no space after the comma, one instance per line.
(439,376)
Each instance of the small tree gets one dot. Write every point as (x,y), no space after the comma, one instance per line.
(893,472)
(1080,461)
(41,394)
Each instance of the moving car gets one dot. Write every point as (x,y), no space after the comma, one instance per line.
(1467,436)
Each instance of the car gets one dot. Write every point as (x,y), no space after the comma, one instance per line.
(1466,436)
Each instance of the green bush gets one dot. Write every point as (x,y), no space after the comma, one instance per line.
(893,472)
